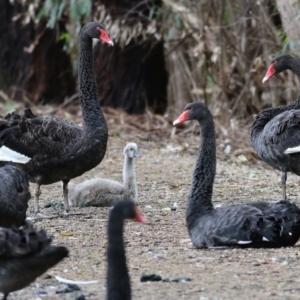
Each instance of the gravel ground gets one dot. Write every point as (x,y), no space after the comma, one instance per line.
(163,247)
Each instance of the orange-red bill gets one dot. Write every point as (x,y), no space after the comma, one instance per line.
(182,118)
(139,217)
(271,71)
(104,37)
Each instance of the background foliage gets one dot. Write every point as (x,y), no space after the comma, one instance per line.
(216,51)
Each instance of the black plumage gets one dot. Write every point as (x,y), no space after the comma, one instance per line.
(275,131)
(14,196)
(255,224)
(25,254)
(60,150)
(118,281)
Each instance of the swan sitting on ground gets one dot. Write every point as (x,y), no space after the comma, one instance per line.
(103,192)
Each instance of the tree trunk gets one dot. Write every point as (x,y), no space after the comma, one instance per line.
(289,13)
(131,75)
(33,65)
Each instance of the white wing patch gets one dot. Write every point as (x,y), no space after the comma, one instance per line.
(265,239)
(7,154)
(292,150)
(244,242)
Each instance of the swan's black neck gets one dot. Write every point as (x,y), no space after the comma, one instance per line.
(118,281)
(200,196)
(91,111)
(293,64)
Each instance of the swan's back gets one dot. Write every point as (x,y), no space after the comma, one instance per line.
(14,196)
(251,225)
(95,192)
(54,147)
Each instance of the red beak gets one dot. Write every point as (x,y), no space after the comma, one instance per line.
(105,38)
(139,217)
(182,118)
(271,71)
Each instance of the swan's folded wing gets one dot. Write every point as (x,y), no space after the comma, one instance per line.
(40,136)
(249,224)
(284,132)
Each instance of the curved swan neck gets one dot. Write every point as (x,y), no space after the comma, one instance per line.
(117,268)
(200,195)
(88,94)
(293,64)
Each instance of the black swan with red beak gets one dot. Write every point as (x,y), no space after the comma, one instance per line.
(275,132)
(253,225)
(51,149)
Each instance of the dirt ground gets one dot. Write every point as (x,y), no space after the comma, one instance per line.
(163,247)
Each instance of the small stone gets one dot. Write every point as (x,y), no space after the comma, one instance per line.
(75,287)
(64,291)
(42,293)
(57,205)
(181,279)
(150,277)
(166,209)
(178,279)
(80,297)
(47,205)
(47,276)
(175,206)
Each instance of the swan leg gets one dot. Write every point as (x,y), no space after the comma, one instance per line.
(66,193)
(37,214)
(36,200)
(66,200)
(283,184)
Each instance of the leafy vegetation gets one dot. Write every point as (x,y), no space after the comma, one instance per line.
(216,51)
(54,10)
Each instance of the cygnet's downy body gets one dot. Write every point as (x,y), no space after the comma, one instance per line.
(103,192)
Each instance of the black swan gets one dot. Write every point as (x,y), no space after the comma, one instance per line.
(104,192)
(256,224)
(118,281)
(58,149)
(25,254)
(275,131)
(14,196)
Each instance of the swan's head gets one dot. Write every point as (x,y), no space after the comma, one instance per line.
(193,111)
(128,210)
(278,64)
(131,150)
(96,30)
